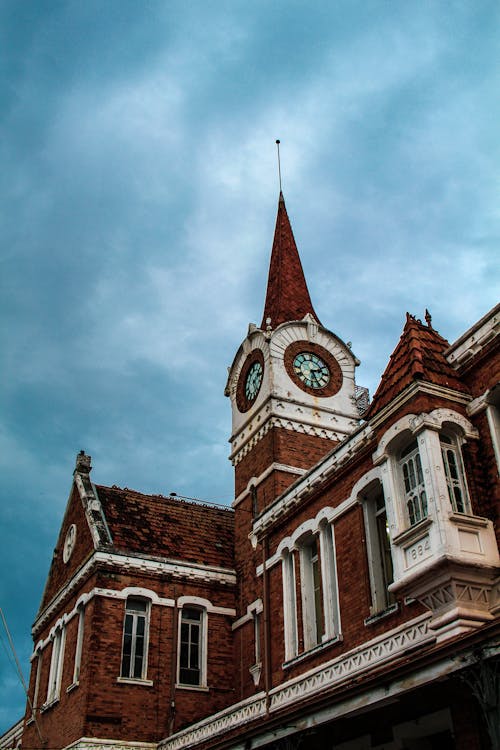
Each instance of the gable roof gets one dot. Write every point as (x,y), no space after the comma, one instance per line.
(419,355)
(158,526)
(287,296)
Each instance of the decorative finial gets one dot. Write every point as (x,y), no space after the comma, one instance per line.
(279,162)
(428,318)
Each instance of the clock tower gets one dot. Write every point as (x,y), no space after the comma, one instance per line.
(291,384)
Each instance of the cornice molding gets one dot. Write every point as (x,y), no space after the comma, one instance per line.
(135,564)
(414,389)
(312,480)
(383,649)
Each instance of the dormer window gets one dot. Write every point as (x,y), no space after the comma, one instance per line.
(455,478)
(413,484)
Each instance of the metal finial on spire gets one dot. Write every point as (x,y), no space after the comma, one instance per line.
(279,162)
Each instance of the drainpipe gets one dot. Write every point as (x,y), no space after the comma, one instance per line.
(173,665)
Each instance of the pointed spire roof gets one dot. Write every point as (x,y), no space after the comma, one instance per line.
(287,296)
(419,355)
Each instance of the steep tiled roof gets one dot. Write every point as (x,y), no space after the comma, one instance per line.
(168,527)
(287,296)
(419,355)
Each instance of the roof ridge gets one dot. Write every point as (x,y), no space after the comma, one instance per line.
(418,355)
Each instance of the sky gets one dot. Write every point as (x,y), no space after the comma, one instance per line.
(139,191)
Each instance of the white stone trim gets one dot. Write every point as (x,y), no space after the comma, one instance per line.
(313,479)
(12,735)
(205,604)
(415,388)
(94,743)
(473,340)
(414,424)
(300,424)
(123,594)
(129,563)
(385,648)
(486,402)
(255,607)
(255,481)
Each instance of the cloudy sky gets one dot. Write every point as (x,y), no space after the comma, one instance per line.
(138,197)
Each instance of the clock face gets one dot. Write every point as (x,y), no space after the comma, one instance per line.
(69,543)
(253,381)
(250,380)
(311,370)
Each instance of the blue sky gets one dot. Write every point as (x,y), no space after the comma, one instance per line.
(138,197)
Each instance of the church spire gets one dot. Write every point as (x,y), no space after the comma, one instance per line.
(287,296)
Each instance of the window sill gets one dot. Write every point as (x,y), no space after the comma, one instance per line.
(383,613)
(312,651)
(413,531)
(46,706)
(198,688)
(468,519)
(134,681)
(72,686)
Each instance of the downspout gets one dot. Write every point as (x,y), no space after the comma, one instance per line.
(173,665)
(267,623)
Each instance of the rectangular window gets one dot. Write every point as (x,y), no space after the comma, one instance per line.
(135,639)
(39,661)
(191,647)
(453,469)
(413,479)
(56,665)
(378,547)
(79,644)
(289,606)
(312,595)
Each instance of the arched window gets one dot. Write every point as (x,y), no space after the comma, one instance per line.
(413,484)
(135,639)
(378,547)
(56,664)
(455,477)
(192,646)
(312,593)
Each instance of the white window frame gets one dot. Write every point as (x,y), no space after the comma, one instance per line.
(454,472)
(135,615)
(56,664)
(202,646)
(331,608)
(39,661)
(382,599)
(289,604)
(313,610)
(79,644)
(413,484)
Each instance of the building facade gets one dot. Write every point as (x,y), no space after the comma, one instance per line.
(350,597)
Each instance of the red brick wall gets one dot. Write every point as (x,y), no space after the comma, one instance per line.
(281,446)
(60,572)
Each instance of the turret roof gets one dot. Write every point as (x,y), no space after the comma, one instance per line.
(287,296)
(419,355)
